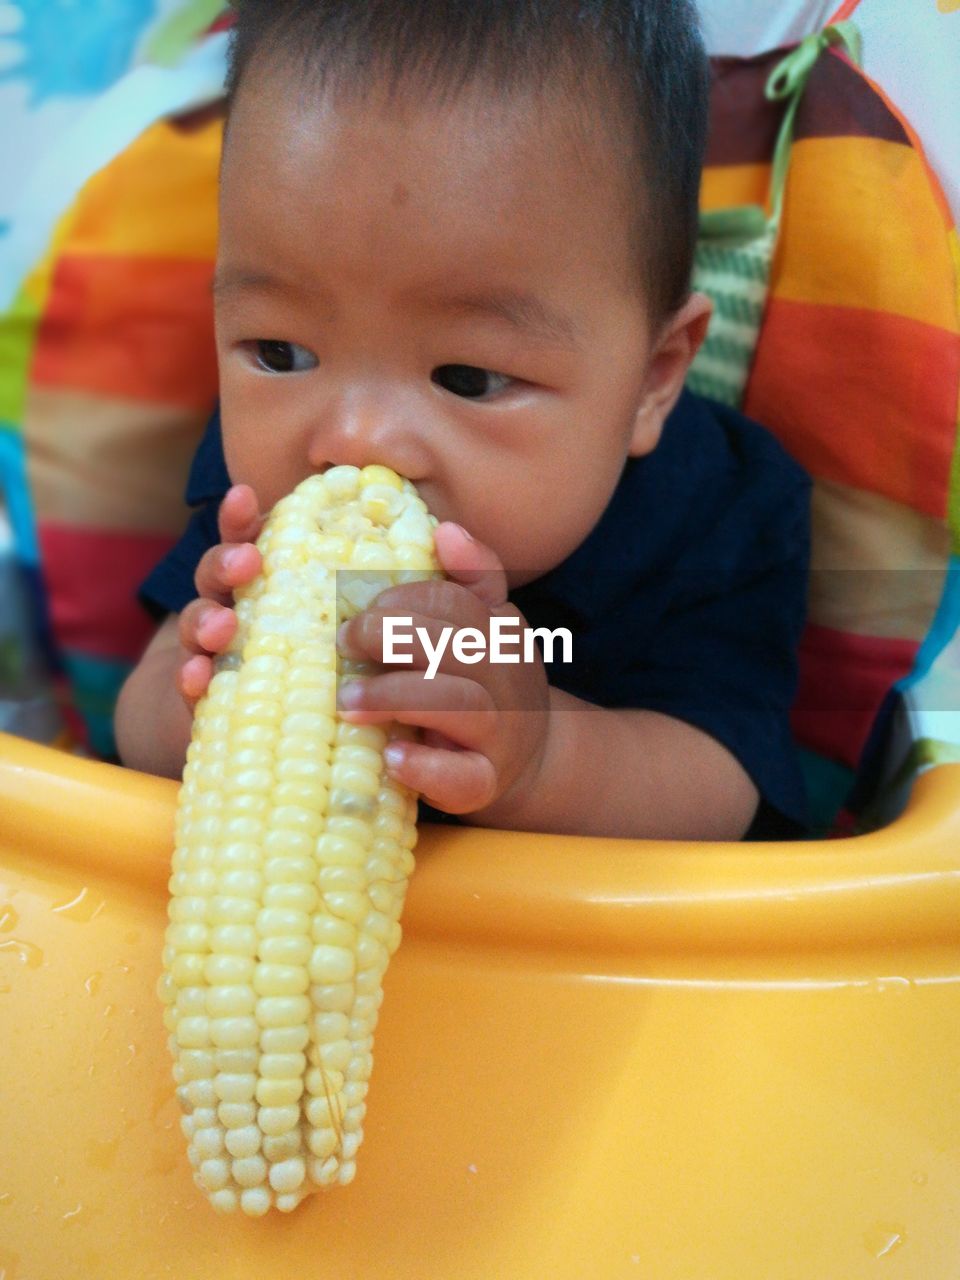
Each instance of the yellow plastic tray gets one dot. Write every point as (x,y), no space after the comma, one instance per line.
(596,1058)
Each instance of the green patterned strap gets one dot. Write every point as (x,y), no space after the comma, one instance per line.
(788,82)
(741,222)
(735,247)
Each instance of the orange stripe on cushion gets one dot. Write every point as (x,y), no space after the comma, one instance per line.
(131,327)
(843,682)
(860,397)
(92,578)
(862,229)
(157,199)
(915,141)
(734,184)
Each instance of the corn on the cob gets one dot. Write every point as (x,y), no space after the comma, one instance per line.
(293,851)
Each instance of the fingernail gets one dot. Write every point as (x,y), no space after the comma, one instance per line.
(393,755)
(469,536)
(231,558)
(206,617)
(350,695)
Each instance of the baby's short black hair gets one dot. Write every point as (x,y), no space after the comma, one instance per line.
(644,56)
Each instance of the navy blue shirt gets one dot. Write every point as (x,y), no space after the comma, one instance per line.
(688,597)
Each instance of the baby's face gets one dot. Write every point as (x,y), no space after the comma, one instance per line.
(445,289)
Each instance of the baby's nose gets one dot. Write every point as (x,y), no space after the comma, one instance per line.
(361,430)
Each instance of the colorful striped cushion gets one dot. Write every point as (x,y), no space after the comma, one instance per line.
(122,380)
(857,370)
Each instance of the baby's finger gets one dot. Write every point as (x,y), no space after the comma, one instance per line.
(421,641)
(194,677)
(454,781)
(437,598)
(239,518)
(456,707)
(206,627)
(470,563)
(224,567)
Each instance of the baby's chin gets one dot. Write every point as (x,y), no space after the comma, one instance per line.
(520,577)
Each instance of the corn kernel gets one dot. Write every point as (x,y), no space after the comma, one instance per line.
(237,1115)
(249,1171)
(281,1146)
(277,1120)
(329,964)
(235,1088)
(243,1141)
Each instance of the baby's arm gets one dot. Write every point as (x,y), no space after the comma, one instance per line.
(152,724)
(630,773)
(154,715)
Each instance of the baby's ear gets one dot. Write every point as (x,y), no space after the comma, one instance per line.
(670,357)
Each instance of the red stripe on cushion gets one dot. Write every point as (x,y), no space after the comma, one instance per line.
(844,679)
(137,328)
(865,398)
(92,577)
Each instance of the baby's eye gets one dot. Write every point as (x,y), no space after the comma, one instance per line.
(469,381)
(283,357)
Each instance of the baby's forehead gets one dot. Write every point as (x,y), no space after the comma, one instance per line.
(482,181)
(584,127)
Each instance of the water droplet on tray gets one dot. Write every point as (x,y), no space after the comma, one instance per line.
(82,907)
(883,1240)
(9,1265)
(25,952)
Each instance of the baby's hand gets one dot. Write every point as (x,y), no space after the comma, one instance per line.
(207,625)
(483,725)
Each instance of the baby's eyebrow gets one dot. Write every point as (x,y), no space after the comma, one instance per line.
(525,311)
(232,280)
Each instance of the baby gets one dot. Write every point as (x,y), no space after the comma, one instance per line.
(456,240)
